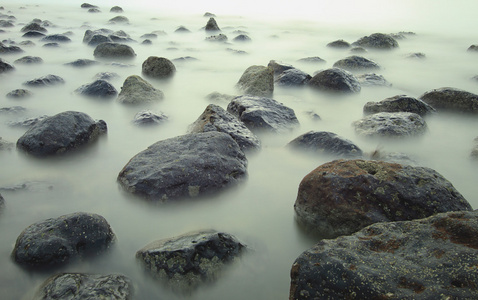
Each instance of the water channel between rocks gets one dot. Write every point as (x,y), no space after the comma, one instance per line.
(259,211)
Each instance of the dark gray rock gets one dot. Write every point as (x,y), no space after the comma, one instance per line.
(121,37)
(372,79)
(187,261)
(185,167)
(45,81)
(87,5)
(147,117)
(377,41)
(6,24)
(393,125)
(5,66)
(119,20)
(4,49)
(292,77)
(98,39)
(89,34)
(51,45)
(19,94)
(146,42)
(116,9)
(94,10)
(217,38)
(158,67)
(452,99)
(324,142)
(257,81)
(82,62)
(263,114)
(242,38)
(335,80)
(57,241)
(113,51)
(215,118)
(344,196)
(312,59)
(56,38)
(209,15)
(473,48)
(149,36)
(279,67)
(2,200)
(61,133)
(339,44)
(28,122)
(77,286)
(399,103)
(27,44)
(424,259)
(33,34)
(97,89)
(356,63)
(33,26)
(182,29)
(212,25)
(136,90)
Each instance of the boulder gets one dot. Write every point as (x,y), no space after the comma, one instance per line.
(27,60)
(344,196)
(119,20)
(452,99)
(187,261)
(57,241)
(80,286)
(356,63)
(147,117)
(279,67)
(185,167)
(257,81)
(5,66)
(324,142)
(19,94)
(100,34)
(158,67)
(121,37)
(61,133)
(82,63)
(113,51)
(57,38)
(242,38)
(136,90)
(263,114)
(215,118)
(51,45)
(377,41)
(399,103)
(339,44)
(47,80)
(212,25)
(372,79)
(182,29)
(432,258)
(385,124)
(33,27)
(292,77)
(97,89)
(4,49)
(87,5)
(5,24)
(335,80)
(473,48)
(33,34)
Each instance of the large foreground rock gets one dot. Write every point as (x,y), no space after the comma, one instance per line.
(432,258)
(136,90)
(343,196)
(187,261)
(393,125)
(215,118)
(451,99)
(399,103)
(56,241)
(335,80)
(79,286)
(377,41)
(257,81)
(263,114)
(113,50)
(324,142)
(185,166)
(60,133)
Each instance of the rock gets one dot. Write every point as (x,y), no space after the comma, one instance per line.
(28,122)
(82,63)
(147,117)
(452,99)
(220,98)
(6,24)
(184,59)
(399,103)
(324,142)
(335,80)
(279,67)
(113,50)
(182,29)
(51,45)
(312,59)
(119,19)
(136,90)
(106,76)
(292,77)
(97,89)
(355,63)
(13,110)
(358,50)
(47,80)
(5,145)
(423,259)
(94,10)
(212,25)
(33,27)
(339,44)
(187,261)
(185,167)
(149,36)
(474,151)
(215,118)
(57,38)
(4,49)
(377,41)
(116,9)
(5,66)
(372,79)
(57,241)
(263,114)
(121,37)
(61,133)
(2,200)
(99,33)
(473,48)
(19,94)
(257,81)
(217,38)
(242,38)
(344,196)
(393,125)
(87,5)
(209,15)
(98,39)
(417,55)
(79,286)
(158,67)
(27,44)
(33,34)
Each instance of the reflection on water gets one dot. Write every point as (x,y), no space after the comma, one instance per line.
(260,210)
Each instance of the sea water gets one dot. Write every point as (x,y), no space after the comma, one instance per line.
(259,211)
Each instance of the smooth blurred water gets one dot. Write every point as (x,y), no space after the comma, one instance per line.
(260,210)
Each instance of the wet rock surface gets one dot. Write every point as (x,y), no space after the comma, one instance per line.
(97,89)
(335,80)
(344,196)
(324,142)
(377,41)
(292,77)
(263,114)
(158,67)
(399,103)
(257,81)
(393,125)
(452,99)
(56,241)
(113,50)
(185,167)
(192,259)
(60,133)
(136,90)
(421,259)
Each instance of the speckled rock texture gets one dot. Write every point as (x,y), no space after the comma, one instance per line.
(257,81)
(399,103)
(158,67)
(136,90)
(110,50)
(356,63)
(343,196)
(377,41)
(391,125)
(432,258)
(452,99)
(335,80)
